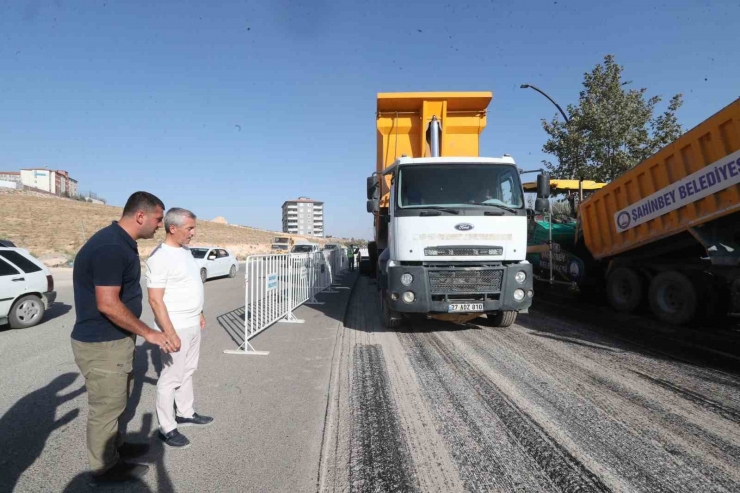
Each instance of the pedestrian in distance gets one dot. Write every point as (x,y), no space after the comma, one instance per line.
(108,304)
(351,257)
(176,296)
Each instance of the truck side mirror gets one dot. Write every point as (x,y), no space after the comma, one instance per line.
(372,206)
(543,186)
(541,205)
(373,188)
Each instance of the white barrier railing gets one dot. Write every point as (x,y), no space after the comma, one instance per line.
(278,284)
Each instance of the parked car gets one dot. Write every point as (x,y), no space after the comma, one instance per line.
(26,288)
(215,262)
(7,243)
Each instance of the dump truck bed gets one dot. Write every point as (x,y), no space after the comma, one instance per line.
(693,180)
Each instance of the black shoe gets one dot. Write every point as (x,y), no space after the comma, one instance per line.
(120,473)
(133,450)
(175,439)
(196,420)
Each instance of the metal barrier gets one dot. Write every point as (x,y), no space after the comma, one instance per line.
(278,284)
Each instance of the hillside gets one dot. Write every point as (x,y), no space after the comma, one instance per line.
(55,227)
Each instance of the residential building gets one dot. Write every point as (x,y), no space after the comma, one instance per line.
(14,176)
(57,182)
(303,216)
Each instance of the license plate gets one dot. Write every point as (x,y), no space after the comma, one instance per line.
(465,307)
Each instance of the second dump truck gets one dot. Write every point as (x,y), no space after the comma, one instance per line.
(666,233)
(450,226)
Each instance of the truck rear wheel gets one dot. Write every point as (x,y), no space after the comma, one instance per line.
(391,318)
(624,289)
(503,318)
(673,297)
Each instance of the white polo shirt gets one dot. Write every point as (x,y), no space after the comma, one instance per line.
(175,270)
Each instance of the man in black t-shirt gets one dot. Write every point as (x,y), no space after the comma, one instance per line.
(108,299)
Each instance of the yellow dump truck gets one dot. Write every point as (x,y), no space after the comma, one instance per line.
(667,233)
(450,226)
(281,244)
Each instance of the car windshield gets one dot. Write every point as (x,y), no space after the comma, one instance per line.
(302,249)
(199,252)
(459,185)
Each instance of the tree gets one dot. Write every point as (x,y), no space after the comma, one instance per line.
(611,130)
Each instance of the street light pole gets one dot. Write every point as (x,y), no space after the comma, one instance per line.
(567,121)
(530,86)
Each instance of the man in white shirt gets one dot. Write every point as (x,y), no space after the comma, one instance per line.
(176,297)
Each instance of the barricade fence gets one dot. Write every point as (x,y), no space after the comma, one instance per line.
(277,284)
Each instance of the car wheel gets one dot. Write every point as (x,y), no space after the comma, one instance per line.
(26,312)
(203,275)
(232,272)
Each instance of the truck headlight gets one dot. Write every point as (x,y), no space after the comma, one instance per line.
(520,276)
(408,297)
(519,294)
(407,279)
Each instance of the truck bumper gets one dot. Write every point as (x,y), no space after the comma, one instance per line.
(436,288)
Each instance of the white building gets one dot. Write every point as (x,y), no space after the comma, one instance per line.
(303,216)
(57,182)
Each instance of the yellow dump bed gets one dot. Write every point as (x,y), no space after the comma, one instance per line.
(691,181)
(403,118)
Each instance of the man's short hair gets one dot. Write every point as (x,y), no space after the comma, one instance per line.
(141,201)
(176,217)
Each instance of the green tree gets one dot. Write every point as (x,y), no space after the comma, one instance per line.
(611,130)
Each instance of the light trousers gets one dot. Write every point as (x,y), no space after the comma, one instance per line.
(175,385)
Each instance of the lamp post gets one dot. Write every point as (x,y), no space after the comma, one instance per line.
(530,86)
(567,121)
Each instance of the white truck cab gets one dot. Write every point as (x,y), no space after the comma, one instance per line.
(456,239)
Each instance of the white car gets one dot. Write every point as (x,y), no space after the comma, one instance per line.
(214,262)
(26,288)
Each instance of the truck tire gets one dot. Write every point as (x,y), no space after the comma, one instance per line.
(391,318)
(26,312)
(624,289)
(673,298)
(503,318)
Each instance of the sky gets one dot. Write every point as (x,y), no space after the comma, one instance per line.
(231,108)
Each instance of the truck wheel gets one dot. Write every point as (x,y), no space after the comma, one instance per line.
(391,318)
(673,298)
(26,312)
(624,289)
(503,318)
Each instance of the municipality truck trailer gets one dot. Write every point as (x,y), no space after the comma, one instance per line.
(666,233)
(450,226)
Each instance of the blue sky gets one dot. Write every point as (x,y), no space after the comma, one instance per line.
(148,95)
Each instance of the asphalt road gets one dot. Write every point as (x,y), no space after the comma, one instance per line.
(561,401)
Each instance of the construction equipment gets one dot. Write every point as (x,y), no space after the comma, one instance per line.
(667,232)
(281,244)
(450,226)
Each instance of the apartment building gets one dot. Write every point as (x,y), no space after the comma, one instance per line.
(303,216)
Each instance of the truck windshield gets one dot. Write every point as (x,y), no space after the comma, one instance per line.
(459,185)
(280,247)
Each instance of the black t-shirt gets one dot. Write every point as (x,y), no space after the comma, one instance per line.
(109,258)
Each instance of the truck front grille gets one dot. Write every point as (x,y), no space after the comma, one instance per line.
(465,281)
